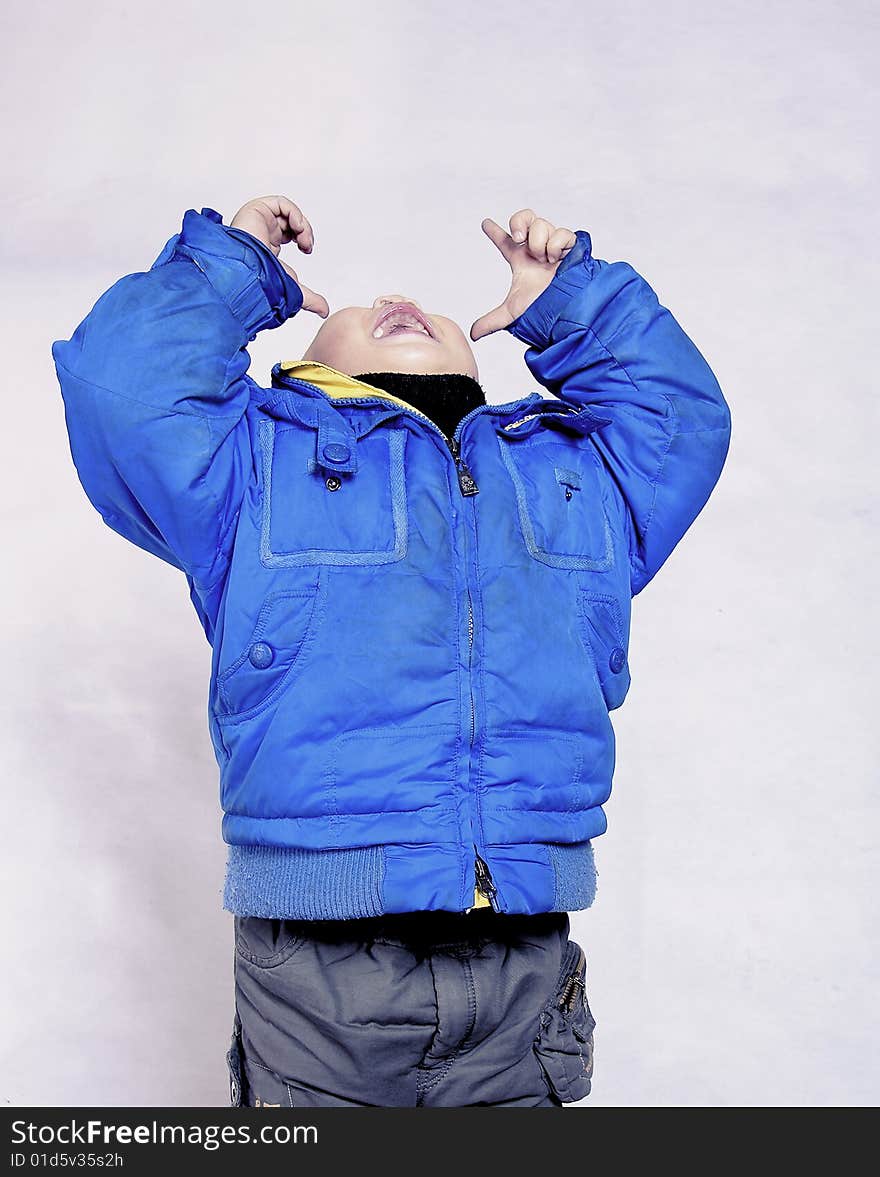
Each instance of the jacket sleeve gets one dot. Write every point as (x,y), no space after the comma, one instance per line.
(599,337)
(155,392)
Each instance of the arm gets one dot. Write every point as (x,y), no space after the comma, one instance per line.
(155,391)
(599,337)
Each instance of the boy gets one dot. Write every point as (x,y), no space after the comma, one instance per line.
(418,604)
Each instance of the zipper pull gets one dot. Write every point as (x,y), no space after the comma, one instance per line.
(484,879)
(574,989)
(466,482)
(484,889)
(572,992)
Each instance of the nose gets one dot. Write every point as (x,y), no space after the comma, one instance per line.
(386,298)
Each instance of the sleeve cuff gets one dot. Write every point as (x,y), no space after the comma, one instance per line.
(575,270)
(244,272)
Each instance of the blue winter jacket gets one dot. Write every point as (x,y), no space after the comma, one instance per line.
(416,640)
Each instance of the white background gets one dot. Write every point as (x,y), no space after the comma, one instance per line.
(725,151)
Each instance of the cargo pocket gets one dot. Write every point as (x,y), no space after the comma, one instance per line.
(564,1044)
(234,1066)
(250,1084)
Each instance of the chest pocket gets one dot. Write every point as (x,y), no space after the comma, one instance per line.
(560,498)
(316,513)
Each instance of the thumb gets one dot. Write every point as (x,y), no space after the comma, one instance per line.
(499,238)
(495,320)
(312,301)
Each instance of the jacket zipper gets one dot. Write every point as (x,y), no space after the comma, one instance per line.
(484,887)
(466,482)
(470,660)
(468,487)
(483,883)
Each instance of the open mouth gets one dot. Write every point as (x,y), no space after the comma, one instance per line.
(401,318)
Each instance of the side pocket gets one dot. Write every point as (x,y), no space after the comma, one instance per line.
(271,655)
(564,1043)
(266,943)
(606,638)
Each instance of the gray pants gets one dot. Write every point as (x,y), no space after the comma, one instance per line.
(426,1009)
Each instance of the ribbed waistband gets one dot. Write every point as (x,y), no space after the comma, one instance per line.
(275,882)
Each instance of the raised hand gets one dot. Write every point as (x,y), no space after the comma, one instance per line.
(275,220)
(533,249)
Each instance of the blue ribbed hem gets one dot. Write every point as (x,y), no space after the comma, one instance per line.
(575,869)
(275,882)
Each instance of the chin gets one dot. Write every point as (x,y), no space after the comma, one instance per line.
(414,360)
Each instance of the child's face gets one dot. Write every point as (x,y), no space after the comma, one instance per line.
(393,335)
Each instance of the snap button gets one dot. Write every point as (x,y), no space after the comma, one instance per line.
(334,452)
(333,483)
(261,655)
(617,661)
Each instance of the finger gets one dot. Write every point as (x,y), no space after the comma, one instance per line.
(499,237)
(519,224)
(301,230)
(494,320)
(539,235)
(312,301)
(294,224)
(286,222)
(559,244)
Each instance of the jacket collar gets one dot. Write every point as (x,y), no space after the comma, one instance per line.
(323,388)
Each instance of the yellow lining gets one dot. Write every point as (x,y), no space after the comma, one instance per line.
(336,383)
(480,900)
